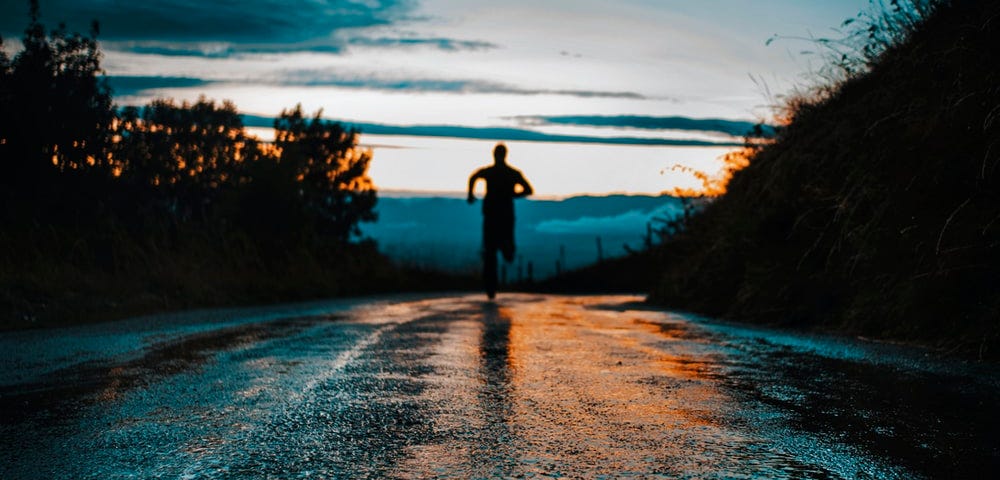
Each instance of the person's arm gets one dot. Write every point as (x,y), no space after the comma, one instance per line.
(472,184)
(525,187)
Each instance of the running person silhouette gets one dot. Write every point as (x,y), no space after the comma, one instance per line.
(502,181)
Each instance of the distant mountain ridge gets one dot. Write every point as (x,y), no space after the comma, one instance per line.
(446,232)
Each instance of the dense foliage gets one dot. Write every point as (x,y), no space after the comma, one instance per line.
(65,148)
(877,208)
(168,204)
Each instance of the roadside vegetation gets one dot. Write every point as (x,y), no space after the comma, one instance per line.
(876,209)
(110,211)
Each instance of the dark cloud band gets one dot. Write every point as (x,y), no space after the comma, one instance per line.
(736,128)
(425,85)
(334,45)
(322,78)
(128,86)
(228,28)
(449,44)
(502,133)
(246,21)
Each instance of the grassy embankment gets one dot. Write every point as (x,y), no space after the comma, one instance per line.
(876,211)
(61,276)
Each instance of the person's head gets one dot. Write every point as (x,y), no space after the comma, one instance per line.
(500,153)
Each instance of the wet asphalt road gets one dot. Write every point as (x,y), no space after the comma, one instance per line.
(456,387)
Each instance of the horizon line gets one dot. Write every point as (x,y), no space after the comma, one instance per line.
(460,195)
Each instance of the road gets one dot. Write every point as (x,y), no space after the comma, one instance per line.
(452,386)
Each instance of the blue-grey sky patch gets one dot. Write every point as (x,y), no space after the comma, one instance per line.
(736,128)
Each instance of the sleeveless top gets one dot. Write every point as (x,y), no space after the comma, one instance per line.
(500,182)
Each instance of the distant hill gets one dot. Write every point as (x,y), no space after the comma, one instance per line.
(446,232)
(877,209)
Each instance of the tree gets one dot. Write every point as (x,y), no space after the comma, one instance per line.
(61,111)
(56,111)
(331,169)
(66,154)
(183,156)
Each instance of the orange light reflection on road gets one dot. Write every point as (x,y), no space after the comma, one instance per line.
(115,387)
(584,381)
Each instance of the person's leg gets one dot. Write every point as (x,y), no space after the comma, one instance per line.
(490,271)
(490,246)
(506,238)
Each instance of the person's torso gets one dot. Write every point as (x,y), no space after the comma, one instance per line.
(500,183)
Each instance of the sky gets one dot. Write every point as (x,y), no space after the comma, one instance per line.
(594,97)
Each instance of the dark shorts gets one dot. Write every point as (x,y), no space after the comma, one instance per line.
(498,234)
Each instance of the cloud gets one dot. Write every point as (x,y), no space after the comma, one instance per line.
(226,29)
(324,45)
(324,77)
(223,49)
(736,128)
(167,49)
(133,85)
(500,133)
(328,78)
(440,43)
(248,22)
(631,222)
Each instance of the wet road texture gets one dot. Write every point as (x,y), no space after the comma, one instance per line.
(529,386)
